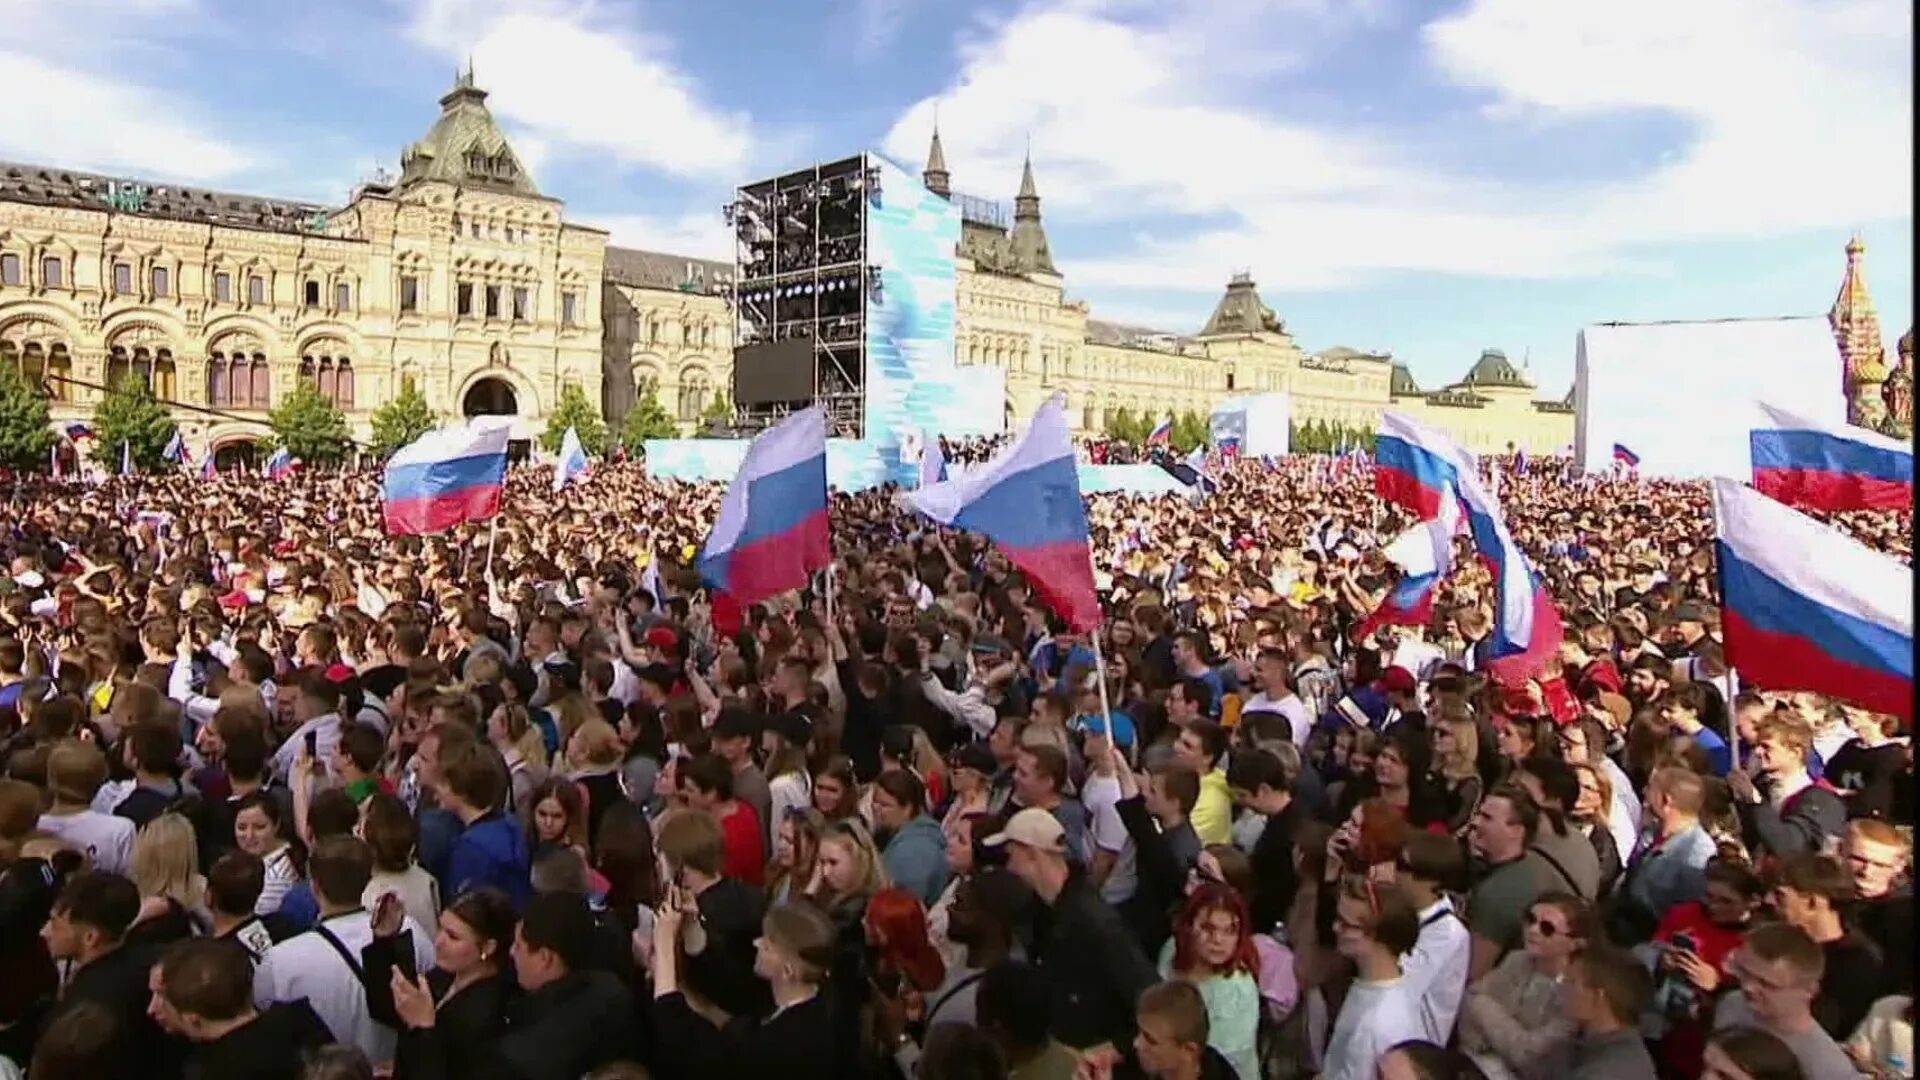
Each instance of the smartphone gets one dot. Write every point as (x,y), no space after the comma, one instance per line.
(1683,942)
(313,744)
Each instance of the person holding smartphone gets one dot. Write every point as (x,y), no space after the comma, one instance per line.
(447,1013)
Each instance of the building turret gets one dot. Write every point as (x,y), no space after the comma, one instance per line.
(1856,330)
(935,175)
(1029,237)
(465,146)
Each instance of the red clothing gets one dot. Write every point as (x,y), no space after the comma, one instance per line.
(746,857)
(1686,1041)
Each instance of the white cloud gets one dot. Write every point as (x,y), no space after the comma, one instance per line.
(1798,117)
(565,72)
(700,234)
(58,115)
(878,22)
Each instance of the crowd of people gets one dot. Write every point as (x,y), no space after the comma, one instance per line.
(287,797)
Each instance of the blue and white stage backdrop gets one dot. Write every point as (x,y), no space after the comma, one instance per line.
(913,384)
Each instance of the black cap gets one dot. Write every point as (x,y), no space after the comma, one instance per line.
(794,727)
(736,722)
(977,757)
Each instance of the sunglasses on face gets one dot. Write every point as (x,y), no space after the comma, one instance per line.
(1547,929)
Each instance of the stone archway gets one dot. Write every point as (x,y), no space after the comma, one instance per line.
(490,397)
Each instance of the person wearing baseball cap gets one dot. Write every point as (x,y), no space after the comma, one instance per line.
(1093,965)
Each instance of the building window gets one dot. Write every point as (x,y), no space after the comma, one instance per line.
(160,281)
(569,309)
(519,304)
(473,229)
(409,293)
(256,289)
(122,279)
(342,296)
(222,287)
(313,293)
(463,299)
(9,269)
(493,301)
(51,275)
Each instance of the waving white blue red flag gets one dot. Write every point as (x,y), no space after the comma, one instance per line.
(1421,469)
(572,462)
(1828,466)
(446,477)
(1027,501)
(771,532)
(1804,606)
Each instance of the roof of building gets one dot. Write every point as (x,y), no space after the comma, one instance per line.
(1492,370)
(1124,335)
(465,146)
(662,270)
(1028,240)
(1401,383)
(1241,311)
(1342,352)
(47,185)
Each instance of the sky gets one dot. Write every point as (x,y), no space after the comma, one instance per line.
(1426,177)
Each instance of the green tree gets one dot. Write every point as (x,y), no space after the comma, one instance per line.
(718,415)
(575,411)
(648,419)
(1189,431)
(130,415)
(311,427)
(1120,424)
(25,435)
(404,418)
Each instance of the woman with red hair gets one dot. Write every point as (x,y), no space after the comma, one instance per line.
(905,965)
(1212,948)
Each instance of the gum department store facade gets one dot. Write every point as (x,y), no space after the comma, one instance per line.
(462,277)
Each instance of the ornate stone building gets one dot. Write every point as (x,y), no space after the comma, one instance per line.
(1013,313)
(459,275)
(1878,397)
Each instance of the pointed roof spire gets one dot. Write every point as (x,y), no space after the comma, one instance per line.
(1029,236)
(935,175)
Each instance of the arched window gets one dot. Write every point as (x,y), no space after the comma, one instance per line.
(217,379)
(343,383)
(694,388)
(260,380)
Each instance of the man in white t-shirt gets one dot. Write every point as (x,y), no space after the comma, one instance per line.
(1437,966)
(323,964)
(1114,871)
(1374,926)
(1276,694)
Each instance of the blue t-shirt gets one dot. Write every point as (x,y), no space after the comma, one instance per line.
(1719,755)
(299,906)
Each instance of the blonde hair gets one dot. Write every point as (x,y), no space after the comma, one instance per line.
(599,744)
(1462,761)
(853,836)
(166,861)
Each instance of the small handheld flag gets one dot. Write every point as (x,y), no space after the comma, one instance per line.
(1625,456)
(1162,432)
(280,465)
(176,450)
(572,461)
(445,477)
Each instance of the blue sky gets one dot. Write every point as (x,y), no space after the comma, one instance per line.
(1429,178)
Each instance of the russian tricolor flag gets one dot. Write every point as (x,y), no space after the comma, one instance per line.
(445,477)
(771,532)
(1424,554)
(1421,469)
(1806,607)
(1826,466)
(572,462)
(1027,501)
(280,464)
(1162,431)
(1625,456)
